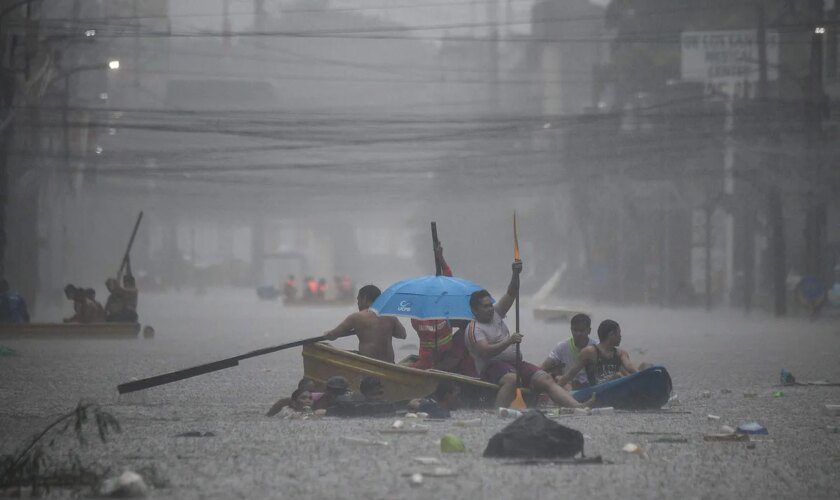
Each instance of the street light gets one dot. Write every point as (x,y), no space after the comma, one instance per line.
(114,64)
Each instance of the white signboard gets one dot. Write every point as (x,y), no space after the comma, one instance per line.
(727,61)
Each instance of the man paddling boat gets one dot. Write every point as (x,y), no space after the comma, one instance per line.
(374,332)
(494,349)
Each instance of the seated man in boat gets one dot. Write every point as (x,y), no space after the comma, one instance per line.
(564,355)
(494,349)
(84,308)
(439,346)
(12,306)
(121,306)
(375,332)
(90,293)
(605,361)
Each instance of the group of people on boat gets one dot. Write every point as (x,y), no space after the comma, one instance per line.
(317,290)
(485,347)
(121,306)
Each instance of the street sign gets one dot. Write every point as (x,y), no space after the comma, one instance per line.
(727,61)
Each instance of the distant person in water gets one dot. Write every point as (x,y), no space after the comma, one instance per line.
(374,332)
(605,361)
(290,289)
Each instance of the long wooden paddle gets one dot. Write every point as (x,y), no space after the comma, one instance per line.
(518,401)
(438,272)
(130,244)
(168,378)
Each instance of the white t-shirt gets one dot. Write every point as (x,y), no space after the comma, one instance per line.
(563,353)
(493,332)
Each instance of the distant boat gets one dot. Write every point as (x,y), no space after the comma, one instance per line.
(71,330)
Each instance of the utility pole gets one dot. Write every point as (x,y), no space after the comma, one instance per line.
(815,108)
(493,23)
(775,212)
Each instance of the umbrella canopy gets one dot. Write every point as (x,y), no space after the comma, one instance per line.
(427,297)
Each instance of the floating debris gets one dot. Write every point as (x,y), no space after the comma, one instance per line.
(449,443)
(356,440)
(194,434)
(752,428)
(128,485)
(726,436)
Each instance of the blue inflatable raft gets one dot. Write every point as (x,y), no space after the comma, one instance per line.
(644,390)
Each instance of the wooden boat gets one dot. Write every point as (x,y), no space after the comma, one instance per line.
(321,361)
(71,330)
(555,313)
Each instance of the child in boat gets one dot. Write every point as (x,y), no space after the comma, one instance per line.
(605,361)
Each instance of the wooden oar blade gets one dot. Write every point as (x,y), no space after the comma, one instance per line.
(166,378)
(515,240)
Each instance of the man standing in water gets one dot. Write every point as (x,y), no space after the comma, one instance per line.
(375,332)
(494,349)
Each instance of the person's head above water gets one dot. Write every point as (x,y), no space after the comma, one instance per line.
(367,294)
(446,394)
(301,398)
(371,388)
(609,332)
(337,385)
(70,291)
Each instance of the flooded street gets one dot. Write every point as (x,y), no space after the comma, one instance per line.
(253,456)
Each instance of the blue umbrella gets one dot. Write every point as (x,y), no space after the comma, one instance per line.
(427,297)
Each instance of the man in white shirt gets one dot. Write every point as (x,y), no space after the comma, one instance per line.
(565,354)
(494,349)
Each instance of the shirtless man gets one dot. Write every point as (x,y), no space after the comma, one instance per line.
(374,332)
(605,361)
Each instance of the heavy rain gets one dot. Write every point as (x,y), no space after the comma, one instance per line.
(195,196)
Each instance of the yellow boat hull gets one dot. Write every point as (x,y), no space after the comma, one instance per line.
(321,361)
(71,330)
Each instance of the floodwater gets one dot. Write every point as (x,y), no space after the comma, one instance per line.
(253,456)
